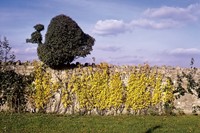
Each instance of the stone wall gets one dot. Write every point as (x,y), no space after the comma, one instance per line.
(184,103)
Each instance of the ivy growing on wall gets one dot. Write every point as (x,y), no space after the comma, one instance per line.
(98,89)
(43,87)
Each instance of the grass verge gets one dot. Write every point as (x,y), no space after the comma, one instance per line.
(46,123)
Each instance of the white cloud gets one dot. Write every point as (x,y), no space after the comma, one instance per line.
(151,24)
(190,13)
(109,27)
(182,51)
(114,27)
(153,18)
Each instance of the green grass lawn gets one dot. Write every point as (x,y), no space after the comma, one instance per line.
(46,123)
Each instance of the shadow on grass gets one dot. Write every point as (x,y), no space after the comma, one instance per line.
(150,130)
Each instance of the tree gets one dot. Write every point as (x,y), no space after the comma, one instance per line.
(36,37)
(6,54)
(5,51)
(64,42)
(12,85)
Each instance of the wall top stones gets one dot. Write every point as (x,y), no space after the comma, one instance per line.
(185,103)
(169,71)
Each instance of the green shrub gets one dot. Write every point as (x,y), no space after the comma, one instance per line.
(64,42)
(13,90)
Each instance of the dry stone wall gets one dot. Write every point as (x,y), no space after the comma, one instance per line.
(184,103)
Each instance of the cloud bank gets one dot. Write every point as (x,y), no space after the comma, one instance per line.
(190,13)
(153,18)
(110,27)
(184,52)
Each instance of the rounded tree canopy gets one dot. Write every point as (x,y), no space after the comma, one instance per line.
(64,42)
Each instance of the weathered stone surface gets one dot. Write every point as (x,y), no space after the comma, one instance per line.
(185,103)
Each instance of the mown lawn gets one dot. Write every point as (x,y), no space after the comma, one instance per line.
(46,123)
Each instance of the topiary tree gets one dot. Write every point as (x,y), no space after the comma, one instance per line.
(36,37)
(64,42)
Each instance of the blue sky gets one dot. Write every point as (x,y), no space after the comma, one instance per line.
(158,32)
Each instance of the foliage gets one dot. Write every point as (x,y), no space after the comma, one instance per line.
(146,89)
(43,87)
(101,90)
(116,92)
(64,42)
(168,91)
(98,89)
(13,90)
(193,83)
(168,96)
(179,89)
(157,91)
(82,87)
(67,94)
(36,37)
(195,109)
(13,86)
(6,54)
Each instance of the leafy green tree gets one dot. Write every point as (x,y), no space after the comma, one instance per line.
(64,42)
